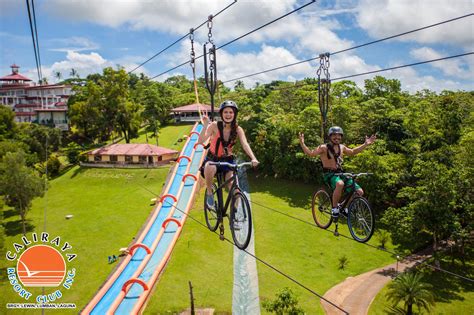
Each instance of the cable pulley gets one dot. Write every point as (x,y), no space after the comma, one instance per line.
(210,73)
(192,63)
(324,86)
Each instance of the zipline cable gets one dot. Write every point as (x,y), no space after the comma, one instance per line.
(351,48)
(40,79)
(403,66)
(250,254)
(238,38)
(37,38)
(366,244)
(379,70)
(179,39)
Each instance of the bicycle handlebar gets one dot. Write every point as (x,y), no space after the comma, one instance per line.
(231,165)
(353,175)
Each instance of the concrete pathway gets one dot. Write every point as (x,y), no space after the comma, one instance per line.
(245,298)
(355,294)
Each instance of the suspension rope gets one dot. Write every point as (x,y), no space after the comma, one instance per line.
(366,244)
(351,48)
(179,39)
(250,254)
(238,38)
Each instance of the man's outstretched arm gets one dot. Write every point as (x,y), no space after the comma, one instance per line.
(357,150)
(317,151)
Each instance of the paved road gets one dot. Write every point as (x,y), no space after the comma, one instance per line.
(355,294)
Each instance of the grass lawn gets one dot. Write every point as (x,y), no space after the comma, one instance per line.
(168,137)
(302,251)
(111,205)
(452,294)
(109,208)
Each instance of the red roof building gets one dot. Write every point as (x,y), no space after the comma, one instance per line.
(190,113)
(131,154)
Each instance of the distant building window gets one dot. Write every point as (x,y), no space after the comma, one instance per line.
(97,158)
(128,158)
(142,159)
(160,158)
(113,158)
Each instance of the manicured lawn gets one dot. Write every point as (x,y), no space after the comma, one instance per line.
(109,207)
(168,137)
(306,253)
(453,295)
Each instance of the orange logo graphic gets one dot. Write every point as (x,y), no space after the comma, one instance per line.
(41,266)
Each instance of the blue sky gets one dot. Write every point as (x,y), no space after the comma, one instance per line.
(88,35)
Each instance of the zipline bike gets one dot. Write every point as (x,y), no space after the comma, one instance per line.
(359,214)
(240,219)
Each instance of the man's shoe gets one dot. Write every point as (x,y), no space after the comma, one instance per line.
(335,212)
(210,201)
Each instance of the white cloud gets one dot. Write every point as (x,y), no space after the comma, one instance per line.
(381,18)
(84,64)
(412,81)
(75,43)
(234,65)
(458,67)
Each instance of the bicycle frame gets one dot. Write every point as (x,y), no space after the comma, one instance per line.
(221,183)
(346,196)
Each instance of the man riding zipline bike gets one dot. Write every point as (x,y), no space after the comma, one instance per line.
(223,135)
(331,155)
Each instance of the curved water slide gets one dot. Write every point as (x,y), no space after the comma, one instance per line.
(128,288)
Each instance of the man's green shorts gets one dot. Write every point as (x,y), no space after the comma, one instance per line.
(331,180)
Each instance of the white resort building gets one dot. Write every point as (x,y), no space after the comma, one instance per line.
(43,104)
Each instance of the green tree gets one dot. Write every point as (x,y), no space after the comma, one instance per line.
(19,184)
(410,289)
(85,111)
(129,119)
(39,139)
(286,303)
(120,112)
(7,122)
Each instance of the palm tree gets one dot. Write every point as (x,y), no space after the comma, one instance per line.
(410,289)
(58,75)
(74,73)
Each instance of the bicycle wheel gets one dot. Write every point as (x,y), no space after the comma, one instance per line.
(212,218)
(240,220)
(321,207)
(361,219)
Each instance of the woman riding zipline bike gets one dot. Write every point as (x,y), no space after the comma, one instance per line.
(331,155)
(223,136)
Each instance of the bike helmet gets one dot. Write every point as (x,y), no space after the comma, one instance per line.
(335,129)
(230,104)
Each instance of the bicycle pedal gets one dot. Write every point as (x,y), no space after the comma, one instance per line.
(336,233)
